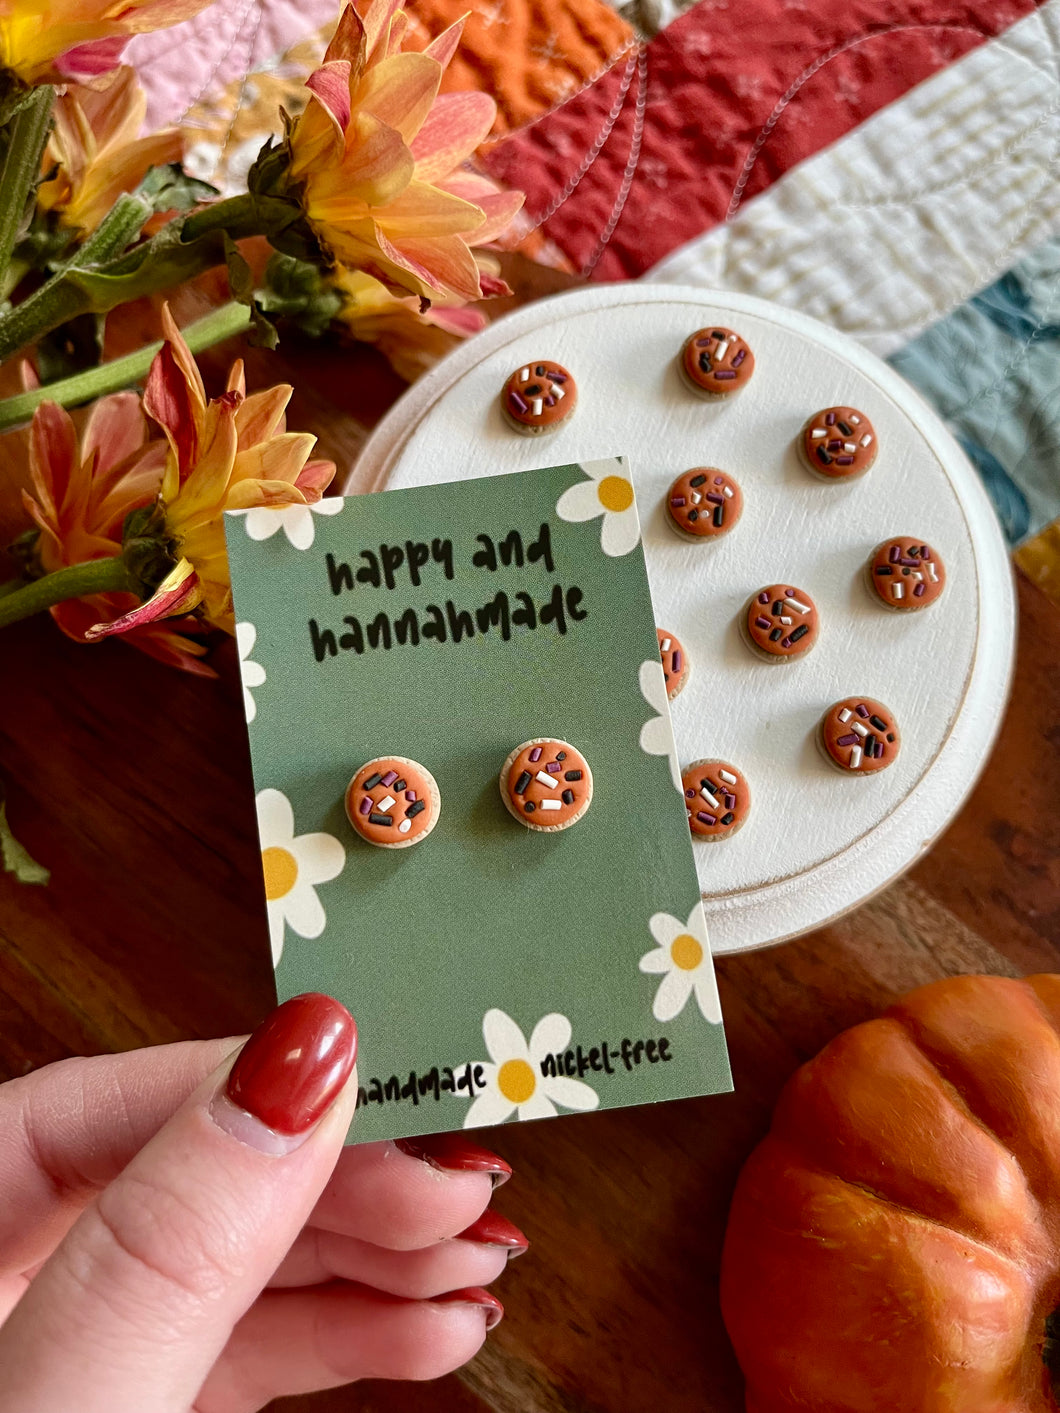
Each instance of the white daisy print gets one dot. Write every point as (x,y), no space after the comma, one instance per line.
(607,492)
(514,1081)
(252,673)
(657,735)
(682,956)
(293,868)
(296,521)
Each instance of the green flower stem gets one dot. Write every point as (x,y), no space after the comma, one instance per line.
(215,327)
(27,134)
(98,576)
(182,249)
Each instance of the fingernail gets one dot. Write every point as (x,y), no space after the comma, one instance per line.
(450,1153)
(492,1229)
(475,1295)
(288,1074)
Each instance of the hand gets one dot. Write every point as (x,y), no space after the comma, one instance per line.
(180,1232)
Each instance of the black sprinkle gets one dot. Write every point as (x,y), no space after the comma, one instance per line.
(719,515)
(822,455)
(379,819)
(778,608)
(914,551)
(776,634)
(414,810)
(372,781)
(728,818)
(561,755)
(399,785)
(885,569)
(573,775)
(697,480)
(718,334)
(890,735)
(532,391)
(704,362)
(878,722)
(693,515)
(905,570)
(529,807)
(567,797)
(523,782)
(843,428)
(800,632)
(539,371)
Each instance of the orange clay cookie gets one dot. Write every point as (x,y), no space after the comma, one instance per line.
(538,397)
(780,623)
(704,503)
(675,662)
(859,735)
(717,798)
(905,574)
(838,444)
(546,784)
(715,362)
(393,802)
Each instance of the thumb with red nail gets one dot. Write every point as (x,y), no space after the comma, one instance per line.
(183,1229)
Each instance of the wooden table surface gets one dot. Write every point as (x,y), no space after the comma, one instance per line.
(132,783)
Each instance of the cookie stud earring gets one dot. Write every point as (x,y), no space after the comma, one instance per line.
(546,784)
(393,802)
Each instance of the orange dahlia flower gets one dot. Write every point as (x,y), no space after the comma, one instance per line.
(95,152)
(45,41)
(411,341)
(376,156)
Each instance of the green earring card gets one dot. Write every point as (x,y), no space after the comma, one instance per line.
(496,972)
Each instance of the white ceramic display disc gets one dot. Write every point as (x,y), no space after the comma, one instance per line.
(818,842)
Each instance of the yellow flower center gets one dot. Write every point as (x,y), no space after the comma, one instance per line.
(615,493)
(515,1080)
(281,872)
(686,952)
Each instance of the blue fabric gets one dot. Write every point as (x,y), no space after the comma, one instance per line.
(992,369)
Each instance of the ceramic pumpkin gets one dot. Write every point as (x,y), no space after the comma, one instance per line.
(894,1242)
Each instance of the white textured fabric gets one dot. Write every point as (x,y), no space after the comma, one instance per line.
(915,210)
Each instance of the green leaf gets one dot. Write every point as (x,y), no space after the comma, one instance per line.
(241,286)
(169,188)
(296,290)
(15,858)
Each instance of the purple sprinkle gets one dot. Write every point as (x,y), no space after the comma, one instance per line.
(861,709)
(557,376)
(834,445)
(850,740)
(715,499)
(517,402)
(389,778)
(785,642)
(366,804)
(677,662)
(761,622)
(724,373)
(678,500)
(553,767)
(789,593)
(925,553)
(410,795)
(691,794)
(550,401)
(763,598)
(895,554)
(730,802)
(844,461)
(830,420)
(906,560)
(739,358)
(719,480)
(705,818)
(918,591)
(535,754)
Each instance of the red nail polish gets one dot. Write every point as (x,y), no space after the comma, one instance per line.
(294,1065)
(475,1295)
(454,1154)
(492,1229)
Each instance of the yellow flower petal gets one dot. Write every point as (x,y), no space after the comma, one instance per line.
(455,126)
(400,91)
(424,210)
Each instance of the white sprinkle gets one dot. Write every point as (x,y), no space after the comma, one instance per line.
(797,606)
(664,646)
(549,780)
(845,715)
(727,492)
(721,350)
(896,590)
(818,433)
(915,574)
(557,392)
(404,826)
(866,439)
(711,801)
(386,804)
(524,374)
(859,727)
(855,757)
(536,405)
(931,570)
(787,622)
(551,804)
(696,497)
(854,419)
(849,448)
(728,777)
